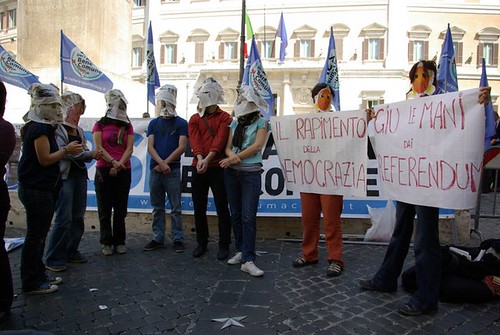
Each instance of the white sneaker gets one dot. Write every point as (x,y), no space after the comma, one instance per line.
(106,250)
(252,269)
(236,259)
(121,249)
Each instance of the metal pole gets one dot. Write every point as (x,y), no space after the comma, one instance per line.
(242,43)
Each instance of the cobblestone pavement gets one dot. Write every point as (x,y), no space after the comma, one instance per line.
(163,292)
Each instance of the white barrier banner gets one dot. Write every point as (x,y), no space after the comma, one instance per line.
(430,150)
(323,153)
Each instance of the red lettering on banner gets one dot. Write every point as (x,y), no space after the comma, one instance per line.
(422,173)
(324,173)
(439,115)
(329,127)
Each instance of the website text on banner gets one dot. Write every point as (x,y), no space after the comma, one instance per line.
(323,153)
(430,150)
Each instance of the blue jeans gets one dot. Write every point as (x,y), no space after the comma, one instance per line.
(159,184)
(243,192)
(112,200)
(39,206)
(213,179)
(427,254)
(68,226)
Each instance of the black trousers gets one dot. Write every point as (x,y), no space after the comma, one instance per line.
(6,287)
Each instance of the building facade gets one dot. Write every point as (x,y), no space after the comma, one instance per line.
(377,43)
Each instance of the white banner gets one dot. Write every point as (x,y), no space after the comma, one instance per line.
(430,150)
(324,153)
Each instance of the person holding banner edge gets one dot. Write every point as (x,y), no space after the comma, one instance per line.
(313,204)
(423,79)
(167,139)
(208,132)
(114,137)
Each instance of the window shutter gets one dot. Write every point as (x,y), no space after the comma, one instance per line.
(410,52)
(175,53)
(273,49)
(365,49)
(259,47)
(339,48)
(459,56)
(381,49)
(221,50)
(296,50)
(495,54)
(426,49)
(199,53)
(162,54)
(312,48)
(236,50)
(479,54)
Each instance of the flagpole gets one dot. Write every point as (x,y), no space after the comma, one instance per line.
(242,43)
(146,31)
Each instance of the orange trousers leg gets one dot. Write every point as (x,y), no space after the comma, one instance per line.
(312,206)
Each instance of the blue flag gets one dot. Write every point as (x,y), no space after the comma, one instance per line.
(152,79)
(330,73)
(255,76)
(77,69)
(14,73)
(447,69)
(281,33)
(489,125)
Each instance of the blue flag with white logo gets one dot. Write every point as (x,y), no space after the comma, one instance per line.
(77,69)
(330,73)
(489,125)
(255,76)
(152,79)
(281,33)
(11,72)
(447,69)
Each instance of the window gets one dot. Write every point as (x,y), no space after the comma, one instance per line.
(198,37)
(340,31)
(418,46)
(11,18)
(168,54)
(373,44)
(304,42)
(2,24)
(418,50)
(305,48)
(230,50)
(137,56)
(199,53)
(139,3)
(488,46)
(372,98)
(266,49)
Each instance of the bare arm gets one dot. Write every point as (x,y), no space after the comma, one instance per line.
(46,158)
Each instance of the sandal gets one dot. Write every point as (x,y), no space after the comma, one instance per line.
(301,261)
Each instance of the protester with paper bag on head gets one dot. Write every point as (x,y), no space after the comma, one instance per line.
(114,138)
(71,205)
(242,175)
(208,131)
(40,182)
(167,139)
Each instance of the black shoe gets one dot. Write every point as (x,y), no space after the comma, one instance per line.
(223,253)
(411,310)
(152,245)
(334,269)
(369,285)
(178,246)
(301,262)
(199,251)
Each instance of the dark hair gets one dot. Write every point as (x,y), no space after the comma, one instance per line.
(429,65)
(318,87)
(3,98)
(107,120)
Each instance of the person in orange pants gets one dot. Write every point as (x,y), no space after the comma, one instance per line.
(313,204)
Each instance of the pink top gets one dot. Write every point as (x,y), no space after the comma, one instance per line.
(109,137)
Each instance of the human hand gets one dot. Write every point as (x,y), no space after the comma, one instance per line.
(484,95)
(201,166)
(370,114)
(113,172)
(73,148)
